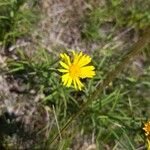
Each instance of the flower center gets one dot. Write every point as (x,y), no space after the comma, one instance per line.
(148,128)
(74,70)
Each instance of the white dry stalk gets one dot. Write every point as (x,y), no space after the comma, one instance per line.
(57,122)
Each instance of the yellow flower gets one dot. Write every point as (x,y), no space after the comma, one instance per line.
(147,128)
(147,133)
(148,144)
(76,68)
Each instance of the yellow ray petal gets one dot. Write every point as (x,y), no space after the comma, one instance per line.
(87,72)
(65,78)
(69,82)
(84,60)
(75,84)
(87,68)
(62,55)
(77,57)
(79,84)
(64,65)
(67,59)
(63,70)
(148,144)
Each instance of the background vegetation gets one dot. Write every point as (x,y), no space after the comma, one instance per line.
(34,103)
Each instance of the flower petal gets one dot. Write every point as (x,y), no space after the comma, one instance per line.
(63,70)
(79,83)
(67,59)
(85,59)
(69,82)
(77,57)
(64,65)
(65,78)
(75,84)
(62,55)
(87,72)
